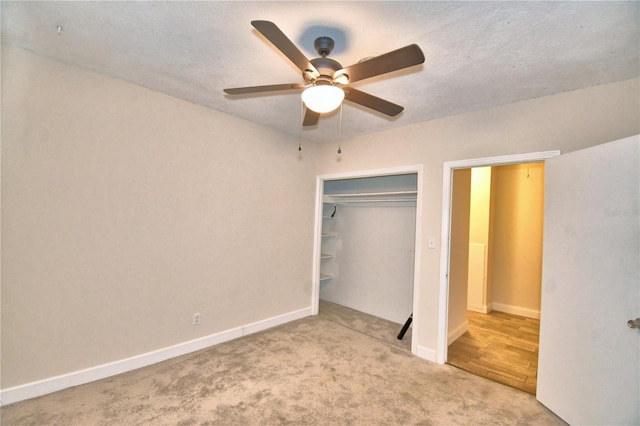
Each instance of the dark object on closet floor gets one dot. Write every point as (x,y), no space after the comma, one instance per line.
(405,327)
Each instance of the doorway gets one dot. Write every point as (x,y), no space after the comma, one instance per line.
(496,272)
(383,190)
(449,326)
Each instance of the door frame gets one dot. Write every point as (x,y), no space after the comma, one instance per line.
(447,191)
(402,170)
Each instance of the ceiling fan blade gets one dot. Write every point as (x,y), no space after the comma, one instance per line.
(286,46)
(310,118)
(372,102)
(260,89)
(395,60)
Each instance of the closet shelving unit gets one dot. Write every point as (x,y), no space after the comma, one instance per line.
(326,216)
(326,256)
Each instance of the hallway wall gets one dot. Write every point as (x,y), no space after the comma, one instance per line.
(516,250)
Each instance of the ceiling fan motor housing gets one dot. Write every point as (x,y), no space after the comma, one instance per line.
(325,66)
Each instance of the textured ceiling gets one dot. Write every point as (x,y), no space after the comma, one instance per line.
(478,54)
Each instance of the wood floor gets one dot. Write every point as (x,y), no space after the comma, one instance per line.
(500,347)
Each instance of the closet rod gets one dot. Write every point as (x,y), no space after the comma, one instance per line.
(374,201)
(373,194)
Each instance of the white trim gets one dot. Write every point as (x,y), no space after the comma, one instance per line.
(502,160)
(317,247)
(390,171)
(516,310)
(425,353)
(80,377)
(416,264)
(447,175)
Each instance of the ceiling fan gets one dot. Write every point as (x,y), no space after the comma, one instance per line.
(327,75)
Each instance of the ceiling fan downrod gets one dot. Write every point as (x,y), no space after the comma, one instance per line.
(324,46)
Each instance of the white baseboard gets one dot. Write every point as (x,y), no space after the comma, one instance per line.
(455,334)
(80,377)
(426,353)
(516,310)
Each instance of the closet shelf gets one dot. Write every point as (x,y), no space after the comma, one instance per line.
(326,256)
(324,277)
(371,197)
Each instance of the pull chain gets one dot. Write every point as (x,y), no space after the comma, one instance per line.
(300,128)
(340,132)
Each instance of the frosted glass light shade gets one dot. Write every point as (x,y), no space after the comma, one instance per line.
(322,98)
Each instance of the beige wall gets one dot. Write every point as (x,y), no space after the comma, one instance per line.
(125,211)
(516,258)
(567,121)
(480,205)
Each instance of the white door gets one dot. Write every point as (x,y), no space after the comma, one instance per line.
(589,362)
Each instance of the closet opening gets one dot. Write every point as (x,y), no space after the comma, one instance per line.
(366,251)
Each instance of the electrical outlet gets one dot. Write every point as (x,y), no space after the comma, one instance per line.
(196,319)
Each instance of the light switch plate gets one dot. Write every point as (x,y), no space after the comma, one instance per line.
(432,242)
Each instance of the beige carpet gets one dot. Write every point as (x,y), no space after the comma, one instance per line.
(308,372)
(376,327)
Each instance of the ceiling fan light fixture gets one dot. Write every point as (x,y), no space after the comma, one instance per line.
(322,98)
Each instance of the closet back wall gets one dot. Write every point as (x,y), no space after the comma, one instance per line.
(375,264)
(374,250)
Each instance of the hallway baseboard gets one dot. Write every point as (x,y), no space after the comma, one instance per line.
(516,310)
